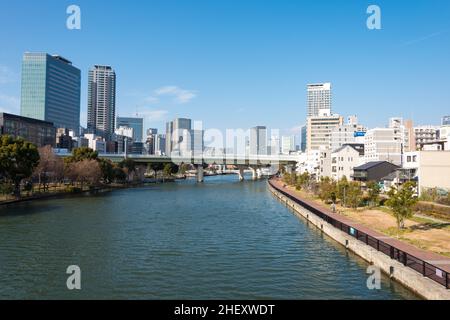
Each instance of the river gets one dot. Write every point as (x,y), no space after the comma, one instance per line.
(221,239)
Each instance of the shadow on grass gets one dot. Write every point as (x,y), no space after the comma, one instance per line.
(429,226)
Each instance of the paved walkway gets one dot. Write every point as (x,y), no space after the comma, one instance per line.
(429,257)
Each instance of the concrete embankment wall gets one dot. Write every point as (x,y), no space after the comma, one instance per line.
(421,285)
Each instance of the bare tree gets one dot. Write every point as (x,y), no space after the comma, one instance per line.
(50,168)
(88,172)
(84,172)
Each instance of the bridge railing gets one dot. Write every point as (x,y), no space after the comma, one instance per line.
(428,270)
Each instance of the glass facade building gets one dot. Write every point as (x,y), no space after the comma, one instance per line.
(51,90)
(137,124)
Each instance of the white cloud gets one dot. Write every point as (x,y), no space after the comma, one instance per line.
(7,75)
(151,100)
(180,95)
(9,104)
(153,115)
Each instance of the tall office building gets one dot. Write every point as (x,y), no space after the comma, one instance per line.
(178,137)
(160,144)
(319,130)
(102,101)
(136,123)
(258,141)
(287,144)
(51,90)
(319,97)
(304,137)
(151,140)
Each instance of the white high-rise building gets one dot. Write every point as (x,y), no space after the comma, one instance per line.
(405,132)
(178,137)
(258,141)
(160,144)
(319,97)
(274,145)
(383,144)
(102,101)
(319,130)
(287,144)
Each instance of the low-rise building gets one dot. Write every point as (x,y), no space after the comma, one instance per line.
(373,171)
(424,135)
(431,168)
(383,144)
(40,133)
(351,132)
(345,159)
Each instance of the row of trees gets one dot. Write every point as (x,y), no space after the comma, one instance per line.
(401,200)
(22,165)
(348,193)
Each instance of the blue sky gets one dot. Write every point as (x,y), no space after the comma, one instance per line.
(236,64)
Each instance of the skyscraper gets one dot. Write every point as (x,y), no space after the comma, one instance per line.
(319,97)
(258,141)
(51,90)
(304,134)
(136,123)
(287,144)
(178,137)
(102,101)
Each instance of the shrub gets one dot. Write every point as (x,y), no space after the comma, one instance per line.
(434,210)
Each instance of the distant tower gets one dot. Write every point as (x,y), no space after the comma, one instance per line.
(102,101)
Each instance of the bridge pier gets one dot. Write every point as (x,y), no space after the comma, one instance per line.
(241,173)
(200,173)
(254,173)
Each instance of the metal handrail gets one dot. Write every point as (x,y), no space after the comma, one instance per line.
(440,276)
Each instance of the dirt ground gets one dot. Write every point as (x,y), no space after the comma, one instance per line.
(424,233)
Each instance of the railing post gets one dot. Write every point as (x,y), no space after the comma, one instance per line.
(378,245)
(367,239)
(392,252)
(424,272)
(405,259)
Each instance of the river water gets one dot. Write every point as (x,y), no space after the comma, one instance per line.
(222,239)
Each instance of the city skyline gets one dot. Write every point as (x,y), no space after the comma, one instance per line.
(176,82)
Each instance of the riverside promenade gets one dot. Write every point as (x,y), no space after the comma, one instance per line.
(396,257)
